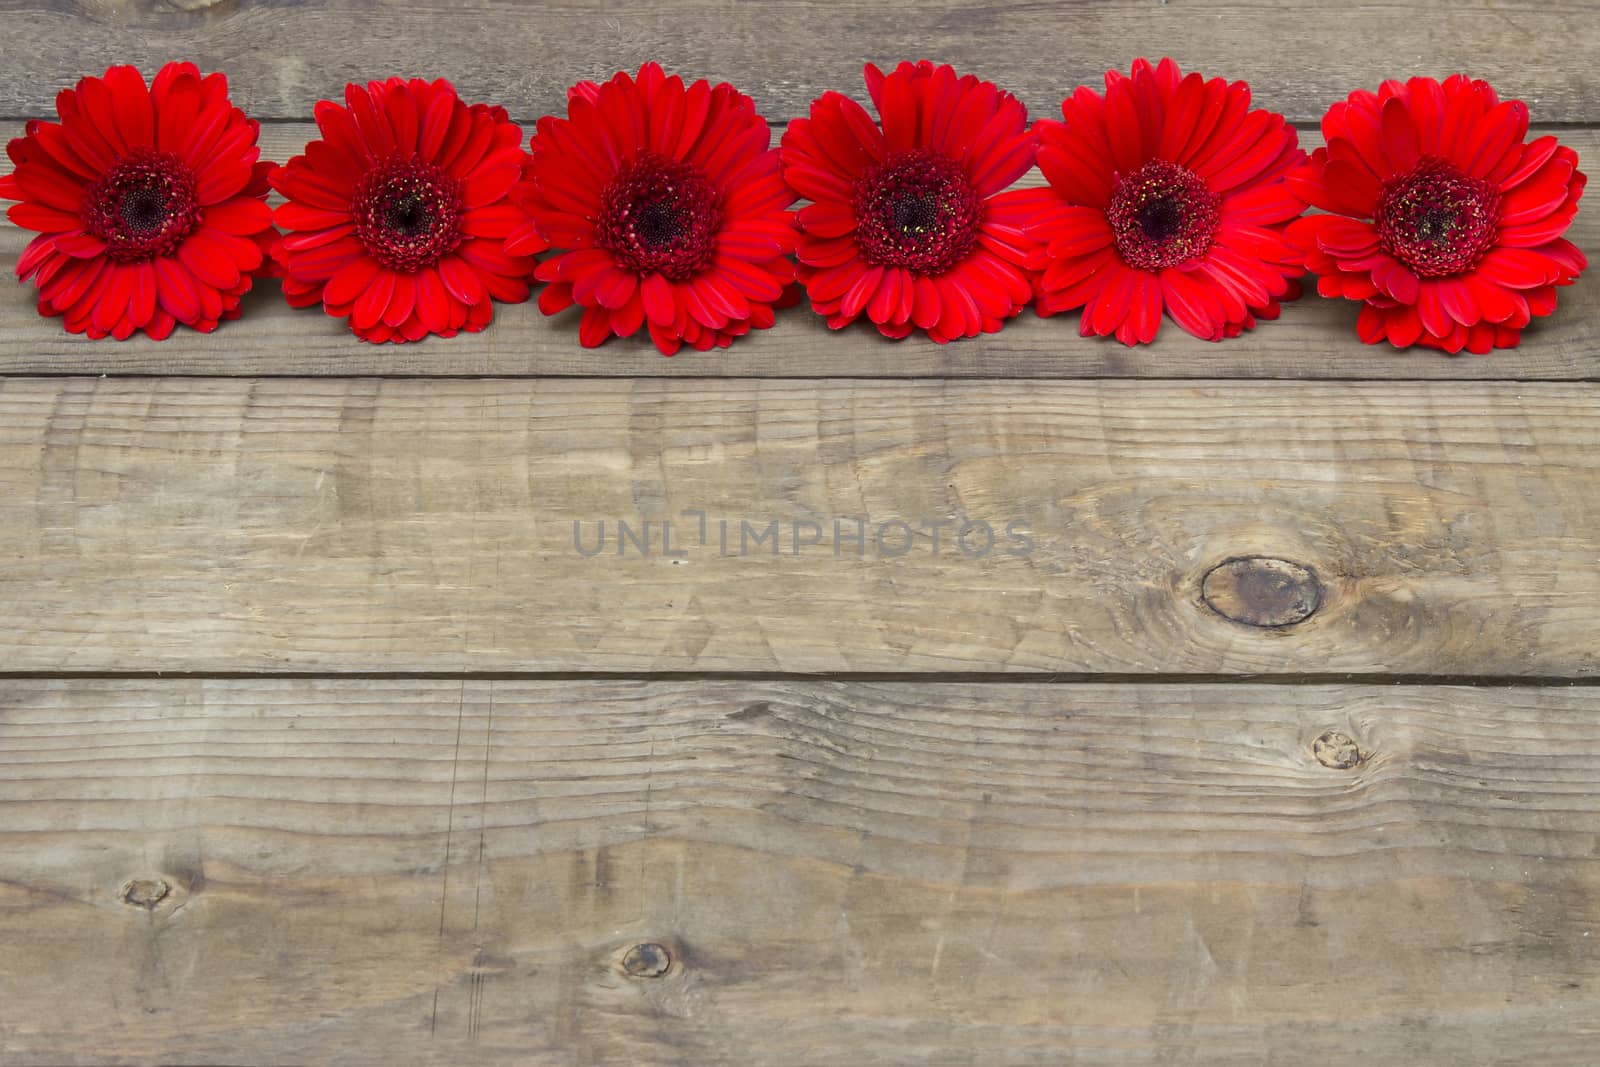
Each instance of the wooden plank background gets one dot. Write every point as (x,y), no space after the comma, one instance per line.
(284,55)
(320,743)
(330,524)
(448,871)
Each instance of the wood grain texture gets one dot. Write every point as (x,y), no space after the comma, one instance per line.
(284,55)
(264,871)
(408,526)
(1315,338)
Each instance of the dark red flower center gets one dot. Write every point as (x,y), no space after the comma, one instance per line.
(408,213)
(1436,220)
(660,214)
(1162,215)
(143,207)
(916,210)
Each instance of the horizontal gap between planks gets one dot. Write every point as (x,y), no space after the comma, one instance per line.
(1473,681)
(793,379)
(777,124)
(1176,379)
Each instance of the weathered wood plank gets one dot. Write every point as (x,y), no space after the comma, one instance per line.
(1315,338)
(264,871)
(374,525)
(286,54)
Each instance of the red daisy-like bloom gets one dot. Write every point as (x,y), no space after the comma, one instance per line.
(398,217)
(668,209)
(1167,193)
(1444,222)
(149,202)
(908,224)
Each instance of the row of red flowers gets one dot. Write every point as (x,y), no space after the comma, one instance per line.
(662,206)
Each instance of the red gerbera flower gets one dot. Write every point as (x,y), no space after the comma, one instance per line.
(905,223)
(149,202)
(1167,193)
(1444,222)
(397,217)
(668,208)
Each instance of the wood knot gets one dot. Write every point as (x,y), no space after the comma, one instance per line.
(648,959)
(1261,591)
(1336,750)
(145,893)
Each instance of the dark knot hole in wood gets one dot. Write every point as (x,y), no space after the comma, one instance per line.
(648,959)
(1262,591)
(145,893)
(1336,750)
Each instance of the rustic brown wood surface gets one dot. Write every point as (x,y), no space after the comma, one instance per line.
(275,339)
(474,871)
(284,55)
(1197,779)
(372,525)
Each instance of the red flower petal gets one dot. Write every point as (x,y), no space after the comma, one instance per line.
(210,261)
(1395,279)
(1516,268)
(1186,301)
(1349,190)
(49,187)
(80,245)
(1540,195)
(372,305)
(861,291)
(176,290)
(626,320)
(460,280)
(555,298)
(1145,318)
(1534,156)
(345,286)
(401,301)
(1399,135)
(117,287)
(1503,127)
(432,301)
(242,216)
(497,220)
(31,216)
(595,327)
(1457,300)
(1077,178)
(142,296)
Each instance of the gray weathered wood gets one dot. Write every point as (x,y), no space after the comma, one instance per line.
(1315,338)
(304,871)
(451,871)
(1300,56)
(380,525)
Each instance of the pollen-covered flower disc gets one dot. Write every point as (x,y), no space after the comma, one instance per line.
(1444,221)
(149,202)
(908,223)
(397,217)
(667,210)
(1166,194)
